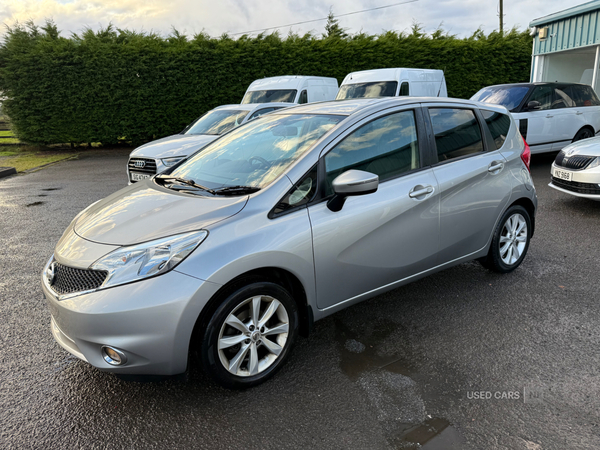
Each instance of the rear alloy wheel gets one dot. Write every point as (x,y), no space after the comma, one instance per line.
(510,242)
(584,133)
(250,335)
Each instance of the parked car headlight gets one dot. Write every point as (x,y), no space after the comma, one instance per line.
(127,264)
(595,163)
(170,162)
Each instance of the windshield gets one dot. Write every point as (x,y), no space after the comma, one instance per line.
(217,122)
(508,96)
(270,96)
(257,153)
(368,90)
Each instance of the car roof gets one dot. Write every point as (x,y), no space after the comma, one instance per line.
(537,83)
(353,106)
(253,106)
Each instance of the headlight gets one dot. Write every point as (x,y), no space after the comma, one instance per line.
(127,264)
(170,162)
(595,163)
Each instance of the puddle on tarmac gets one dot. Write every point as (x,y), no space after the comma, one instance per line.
(43,195)
(52,189)
(433,434)
(361,353)
(35,204)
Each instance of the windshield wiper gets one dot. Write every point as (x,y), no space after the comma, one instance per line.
(236,190)
(188,182)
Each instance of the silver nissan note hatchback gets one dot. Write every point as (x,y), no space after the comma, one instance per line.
(289,218)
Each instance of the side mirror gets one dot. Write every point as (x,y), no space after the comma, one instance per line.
(533,105)
(352,182)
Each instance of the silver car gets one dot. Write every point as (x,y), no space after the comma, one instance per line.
(157,156)
(284,221)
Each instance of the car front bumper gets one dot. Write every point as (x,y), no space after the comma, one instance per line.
(151,321)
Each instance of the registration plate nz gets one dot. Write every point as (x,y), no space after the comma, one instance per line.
(562,175)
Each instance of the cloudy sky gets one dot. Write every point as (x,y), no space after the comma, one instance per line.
(460,17)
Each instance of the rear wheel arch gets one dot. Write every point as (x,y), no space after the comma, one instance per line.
(580,131)
(529,206)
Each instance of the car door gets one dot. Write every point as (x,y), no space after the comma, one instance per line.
(568,118)
(380,238)
(587,104)
(474,185)
(540,121)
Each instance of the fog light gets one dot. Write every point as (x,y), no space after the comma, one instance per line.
(113,356)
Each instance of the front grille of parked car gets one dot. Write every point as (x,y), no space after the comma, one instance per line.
(573,162)
(68,280)
(581,188)
(145,165)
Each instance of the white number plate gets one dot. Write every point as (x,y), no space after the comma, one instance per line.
(135,176)
(562,174)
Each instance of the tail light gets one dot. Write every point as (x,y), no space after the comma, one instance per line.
(526,155)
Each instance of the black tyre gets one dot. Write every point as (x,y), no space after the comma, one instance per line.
(510,241)
(250,335)
(584,133)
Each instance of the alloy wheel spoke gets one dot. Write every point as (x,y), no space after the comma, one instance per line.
(504,249)
(230,341)
(521,226)
(509,254)
(234,364)
(522,238)
(253,362)
(515,252)
(271,346)
(236,323)
(504,239)
(281,328)
(268,313)
(255,310)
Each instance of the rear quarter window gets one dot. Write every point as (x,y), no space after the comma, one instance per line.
(498,124)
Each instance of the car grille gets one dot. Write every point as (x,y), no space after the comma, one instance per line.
(68,280)
(581,188)
(144,165)
(574,162)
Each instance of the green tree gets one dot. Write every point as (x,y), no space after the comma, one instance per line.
(333,28)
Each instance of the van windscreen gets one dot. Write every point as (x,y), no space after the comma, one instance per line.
(368,90)
(270,96)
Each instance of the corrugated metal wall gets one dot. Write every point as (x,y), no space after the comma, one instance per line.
(574,32)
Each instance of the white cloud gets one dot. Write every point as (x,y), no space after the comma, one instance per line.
(461,17)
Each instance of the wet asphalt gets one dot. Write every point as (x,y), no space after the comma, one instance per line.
(463,359)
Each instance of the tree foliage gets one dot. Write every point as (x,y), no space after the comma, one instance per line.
(111,84)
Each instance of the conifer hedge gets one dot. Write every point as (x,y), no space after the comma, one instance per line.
(113,84)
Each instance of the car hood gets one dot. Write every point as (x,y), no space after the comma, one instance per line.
(176,145)
(144,211)
(585,147)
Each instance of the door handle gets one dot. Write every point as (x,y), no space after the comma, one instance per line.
(579,113)
(549,116)
(495,166)
(419,191)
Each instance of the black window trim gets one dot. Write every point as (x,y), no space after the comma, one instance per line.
(486,135)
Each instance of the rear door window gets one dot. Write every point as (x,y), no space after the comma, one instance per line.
(499,125)
(562,98)
(543,95)
(457,133)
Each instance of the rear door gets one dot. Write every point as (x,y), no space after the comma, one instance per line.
(540,122)
(380,238)
(474,185)
(568,118)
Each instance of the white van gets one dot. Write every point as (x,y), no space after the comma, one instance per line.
(291,89)
(393,83)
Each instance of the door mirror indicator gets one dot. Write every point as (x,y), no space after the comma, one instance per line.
(352,182)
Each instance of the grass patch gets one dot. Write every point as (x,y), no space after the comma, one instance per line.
(6,133)
(9,141)
(28,159)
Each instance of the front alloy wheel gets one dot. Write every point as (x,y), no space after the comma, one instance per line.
(253,336)
(250,335)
